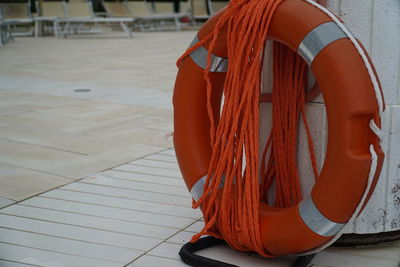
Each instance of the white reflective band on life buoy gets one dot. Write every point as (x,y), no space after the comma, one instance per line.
(315,220)
(319,38)
(199,56)
(197,189)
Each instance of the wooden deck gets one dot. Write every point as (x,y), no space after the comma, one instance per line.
(136,214)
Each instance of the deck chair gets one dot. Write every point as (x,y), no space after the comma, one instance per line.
(80,9)
(139,9)
(164,12)
(200,10)
(50,12)
(116,9)
(143,12)
(16,13)
(149,19)
(5,32)
(163,7)
(217,6)
(184,7)
(81,12)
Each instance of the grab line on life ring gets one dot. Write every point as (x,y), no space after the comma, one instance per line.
(309,48)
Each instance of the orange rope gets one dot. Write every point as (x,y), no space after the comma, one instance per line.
(232,213)
(288,98)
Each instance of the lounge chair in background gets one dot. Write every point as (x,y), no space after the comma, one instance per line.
(163,7)
(164,12)
(139,9)
(184,7)
(116,9)
(17,14)
(217,6)
(154,16)
(49,12)
(5,32)
(81,13)
(200,10)
(144,14)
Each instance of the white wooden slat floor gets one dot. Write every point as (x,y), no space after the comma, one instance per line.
(112,225)
(81,233)
(155,164)
(69,246)
(122,203)
(137,214)
(4,263)
(149,170)
(162,158)
(149,187)
(5,202)
(168,152)
(107,212)
(129,194)
(139,177)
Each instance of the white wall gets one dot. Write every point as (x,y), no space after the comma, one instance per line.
(377,24)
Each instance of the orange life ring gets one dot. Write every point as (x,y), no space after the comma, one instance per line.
(353,104)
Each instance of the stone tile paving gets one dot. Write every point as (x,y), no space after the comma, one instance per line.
(52,134)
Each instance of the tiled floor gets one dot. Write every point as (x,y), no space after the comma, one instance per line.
(47,125)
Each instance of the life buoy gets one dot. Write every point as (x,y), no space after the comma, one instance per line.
(353,101)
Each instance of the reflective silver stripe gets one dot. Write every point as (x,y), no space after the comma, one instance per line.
(316,221)
(198,188)
(318,39)
(199,56)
